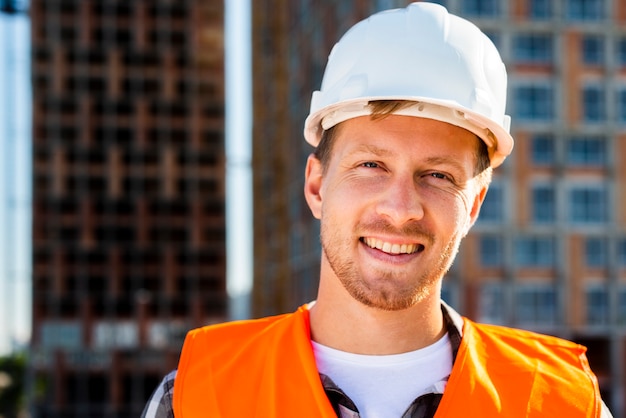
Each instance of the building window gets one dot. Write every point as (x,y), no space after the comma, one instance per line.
(533,49)
(448,293)
(492,210)
(621,52)
(594,107)
(536,304)
(485,8)
(492,304)
(61,334)
(534,102)
(597,305)
(544,204)
(593,50)
(392,4)
(535,252)
(621,306)
(587,151)
(589,204)
(584,9)
(494,37)
(543,150)
(540,9)
(621,252)
(596,250)
(491,251)
(621,105)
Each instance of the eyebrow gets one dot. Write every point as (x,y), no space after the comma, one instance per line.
(383,152)
(446,161)
(371,149)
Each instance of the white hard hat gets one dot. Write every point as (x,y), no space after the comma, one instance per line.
(421,53)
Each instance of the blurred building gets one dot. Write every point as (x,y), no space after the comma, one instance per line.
(549,251)
(128,196)
(13,6)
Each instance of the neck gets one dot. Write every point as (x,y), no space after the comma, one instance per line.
(348,325)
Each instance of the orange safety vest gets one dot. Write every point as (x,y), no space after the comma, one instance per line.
(266,368)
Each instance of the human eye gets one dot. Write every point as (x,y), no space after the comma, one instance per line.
(369,164)
(439,179)
(439,176)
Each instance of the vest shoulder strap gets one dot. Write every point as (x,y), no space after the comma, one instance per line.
(262,367)
(507,372)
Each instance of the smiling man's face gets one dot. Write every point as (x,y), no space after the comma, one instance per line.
(395,200)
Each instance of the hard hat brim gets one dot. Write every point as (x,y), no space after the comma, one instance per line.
(497,137)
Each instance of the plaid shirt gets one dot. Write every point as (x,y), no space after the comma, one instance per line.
(425,406)
(160,403)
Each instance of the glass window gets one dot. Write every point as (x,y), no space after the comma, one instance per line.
(621,252)
(12,6)
(536,304)
(597,305)
(534,102)
(494,36)
(492,210)
(540,9)
(621,306)
(491,248)
(621,105)
(594,107)
(543,149)
(587,151)
(544,204)
(389,4)
(492,304)
(448,292)
(621,52)
(486,8)
(61,334)
(593,49)
(584,9)
(444,3)
(533,48)
(596,252)
(535,252)
(588,204)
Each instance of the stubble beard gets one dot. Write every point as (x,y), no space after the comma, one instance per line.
(389,296)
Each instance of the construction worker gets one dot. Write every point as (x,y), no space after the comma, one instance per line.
(407,126)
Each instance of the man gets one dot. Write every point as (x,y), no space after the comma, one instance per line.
(408,125)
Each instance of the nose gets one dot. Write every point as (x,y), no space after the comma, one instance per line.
(400,201)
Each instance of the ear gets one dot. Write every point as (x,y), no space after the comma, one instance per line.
(479,198)
(313,185)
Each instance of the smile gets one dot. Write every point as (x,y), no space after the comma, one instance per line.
(390,248)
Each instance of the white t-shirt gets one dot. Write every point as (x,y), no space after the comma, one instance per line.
(385,386)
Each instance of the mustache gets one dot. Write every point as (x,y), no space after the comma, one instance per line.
(414,230)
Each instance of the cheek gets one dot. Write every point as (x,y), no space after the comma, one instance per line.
(447,197)
(452,206)
(351,191)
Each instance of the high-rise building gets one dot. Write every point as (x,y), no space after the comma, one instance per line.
(13,6)
(549,250)
(128,196)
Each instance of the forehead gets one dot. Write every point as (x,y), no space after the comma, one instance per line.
(400,134)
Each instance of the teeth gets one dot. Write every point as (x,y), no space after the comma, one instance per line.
(389,247)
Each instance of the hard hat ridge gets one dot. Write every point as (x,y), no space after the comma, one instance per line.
(420,53)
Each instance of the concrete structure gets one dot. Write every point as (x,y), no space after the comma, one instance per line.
(128,191)
(549,252)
